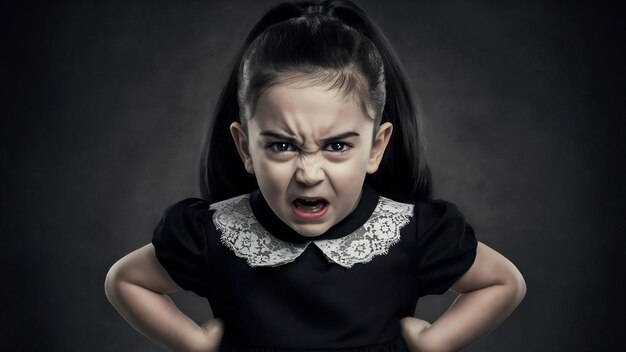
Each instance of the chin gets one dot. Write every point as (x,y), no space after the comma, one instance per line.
(310,230)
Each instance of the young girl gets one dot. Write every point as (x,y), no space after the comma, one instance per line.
(317,229)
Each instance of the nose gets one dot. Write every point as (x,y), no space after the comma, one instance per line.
(309,171)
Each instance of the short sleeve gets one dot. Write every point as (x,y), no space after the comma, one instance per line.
(446,246)
(180,244)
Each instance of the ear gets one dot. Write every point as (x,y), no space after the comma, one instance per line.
(383,135)
(241,142)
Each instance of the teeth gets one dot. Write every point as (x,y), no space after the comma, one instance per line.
(310,206)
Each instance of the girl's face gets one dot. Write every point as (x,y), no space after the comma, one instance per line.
(310,150)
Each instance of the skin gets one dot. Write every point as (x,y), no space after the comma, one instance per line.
(292,147)
(138,286)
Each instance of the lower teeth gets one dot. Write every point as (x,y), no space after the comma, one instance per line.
(310,208)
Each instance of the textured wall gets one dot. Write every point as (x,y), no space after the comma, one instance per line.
(523,110)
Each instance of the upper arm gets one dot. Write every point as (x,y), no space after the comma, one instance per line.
(489,268)
(141,267)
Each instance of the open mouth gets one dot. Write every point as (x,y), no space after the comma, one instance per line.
(310,205)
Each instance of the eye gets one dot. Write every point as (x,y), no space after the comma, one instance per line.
(281,147)
(338,147)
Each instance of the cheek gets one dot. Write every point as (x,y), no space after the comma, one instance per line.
(354,167)
(274,176)
(348,176)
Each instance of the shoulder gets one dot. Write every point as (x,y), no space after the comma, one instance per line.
(437,212)
(186,207)
(184,214)
(435,207)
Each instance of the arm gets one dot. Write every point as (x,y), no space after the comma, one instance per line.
(490,290)
(137,286)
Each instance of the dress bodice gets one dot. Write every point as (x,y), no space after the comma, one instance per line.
(346,289)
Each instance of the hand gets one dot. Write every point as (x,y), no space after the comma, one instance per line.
(212,334)
(412,331)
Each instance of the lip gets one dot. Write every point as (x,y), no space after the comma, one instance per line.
(309,216)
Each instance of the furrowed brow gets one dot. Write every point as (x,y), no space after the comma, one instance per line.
(340,136)
(277,135)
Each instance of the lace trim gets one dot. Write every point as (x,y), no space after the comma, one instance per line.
(244,235)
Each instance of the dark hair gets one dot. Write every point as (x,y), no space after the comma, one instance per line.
(331,54)
(321,36)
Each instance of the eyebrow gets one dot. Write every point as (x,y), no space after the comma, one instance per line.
(293,140)
(278,136)
(341,136)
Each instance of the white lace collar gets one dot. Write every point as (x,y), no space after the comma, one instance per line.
(248,239)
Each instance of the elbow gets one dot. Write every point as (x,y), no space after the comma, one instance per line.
(111,283)
(520,285)
(512,286)
(517,286)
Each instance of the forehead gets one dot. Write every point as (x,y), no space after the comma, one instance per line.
(302,108)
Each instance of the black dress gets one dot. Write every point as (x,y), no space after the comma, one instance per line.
(347,289)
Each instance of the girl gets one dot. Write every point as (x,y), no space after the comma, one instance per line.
(317,229)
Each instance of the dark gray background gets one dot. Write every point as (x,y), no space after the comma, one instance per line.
(523,107)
